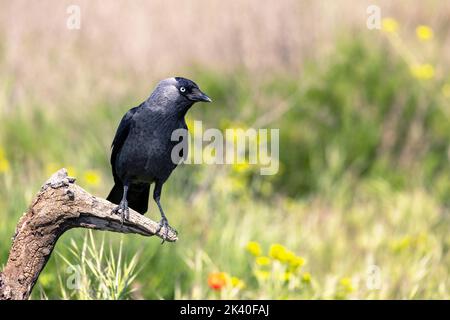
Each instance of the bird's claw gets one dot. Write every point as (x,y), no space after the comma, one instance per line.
(164,223)
(123,210)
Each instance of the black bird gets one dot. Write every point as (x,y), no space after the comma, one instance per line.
(142,146)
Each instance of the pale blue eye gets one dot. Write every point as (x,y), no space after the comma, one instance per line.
(183,89)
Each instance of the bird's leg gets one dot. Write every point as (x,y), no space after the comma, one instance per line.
(122,208)
(164,222)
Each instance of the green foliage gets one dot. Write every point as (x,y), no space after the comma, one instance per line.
(364,180)
(356,119)
(92,273)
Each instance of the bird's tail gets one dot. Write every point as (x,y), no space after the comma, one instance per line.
(115,195)
(137,196)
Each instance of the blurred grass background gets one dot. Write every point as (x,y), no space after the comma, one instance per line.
(364,143)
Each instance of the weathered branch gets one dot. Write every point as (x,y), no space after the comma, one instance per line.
(59,206)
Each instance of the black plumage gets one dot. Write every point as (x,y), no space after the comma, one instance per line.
(142,146)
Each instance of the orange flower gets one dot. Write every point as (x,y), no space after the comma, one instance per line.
(217,280)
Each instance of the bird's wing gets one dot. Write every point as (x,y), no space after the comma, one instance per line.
(121,136)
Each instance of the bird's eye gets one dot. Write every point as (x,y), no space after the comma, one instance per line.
(183,89)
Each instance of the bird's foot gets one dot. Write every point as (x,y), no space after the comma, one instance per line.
(123,210)
(164,223)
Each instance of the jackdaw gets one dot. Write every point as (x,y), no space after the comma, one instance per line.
(142,146)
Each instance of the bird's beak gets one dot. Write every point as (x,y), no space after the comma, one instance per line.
(198,95)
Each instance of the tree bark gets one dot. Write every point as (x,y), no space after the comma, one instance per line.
(59,206)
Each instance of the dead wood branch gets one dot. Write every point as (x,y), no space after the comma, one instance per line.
(59,206)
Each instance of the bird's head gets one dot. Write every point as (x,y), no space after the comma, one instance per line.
(177,93)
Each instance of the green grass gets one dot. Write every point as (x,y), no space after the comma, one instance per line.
(356,189)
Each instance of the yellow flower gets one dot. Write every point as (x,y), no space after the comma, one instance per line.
(280,253)
(345,285)
(276,251)
(287,256)
(237,283)
(389,25)
(286,276)
(262,275)
(92,177)
(254,248)
(241,167)
(423,71)
(262,261)
(4,163)
(306,277)
(71,171)
(424,33)
(446,90)
(297,262)
(344,288)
